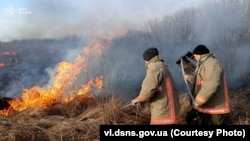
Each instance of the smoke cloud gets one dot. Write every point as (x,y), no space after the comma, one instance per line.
(224,28)
(56,19)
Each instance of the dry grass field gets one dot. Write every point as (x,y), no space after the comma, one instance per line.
(80,119)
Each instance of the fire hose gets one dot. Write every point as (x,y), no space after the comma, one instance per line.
(189,92)
(183,73)
(127,105)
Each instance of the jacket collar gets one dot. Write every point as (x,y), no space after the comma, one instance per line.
(154,59)
(205,57)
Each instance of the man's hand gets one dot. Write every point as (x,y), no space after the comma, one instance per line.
(185,77)
(189,78)
(195,105)
(134,102)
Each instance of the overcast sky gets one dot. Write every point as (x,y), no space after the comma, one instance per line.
(25,19)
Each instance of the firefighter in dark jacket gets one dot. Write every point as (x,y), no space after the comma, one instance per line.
(209,86)
(159,89)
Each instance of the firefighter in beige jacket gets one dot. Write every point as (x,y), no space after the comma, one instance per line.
(159,89)
(209,87)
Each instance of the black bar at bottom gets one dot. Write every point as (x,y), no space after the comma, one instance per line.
(173,132)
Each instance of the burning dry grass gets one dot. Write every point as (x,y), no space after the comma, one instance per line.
(75,121)
(80,120)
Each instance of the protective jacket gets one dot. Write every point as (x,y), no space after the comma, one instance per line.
(159,88)
(210,87)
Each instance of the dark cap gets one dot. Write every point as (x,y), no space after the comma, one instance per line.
(200,49)
(150,53)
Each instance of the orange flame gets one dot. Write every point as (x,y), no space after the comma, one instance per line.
(66,74)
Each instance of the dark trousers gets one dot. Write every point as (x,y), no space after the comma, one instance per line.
(196,118)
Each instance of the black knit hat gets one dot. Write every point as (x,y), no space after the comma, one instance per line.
(150,53)
(200,49)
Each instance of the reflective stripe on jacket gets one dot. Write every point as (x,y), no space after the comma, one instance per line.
(210,86)
(172,115)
